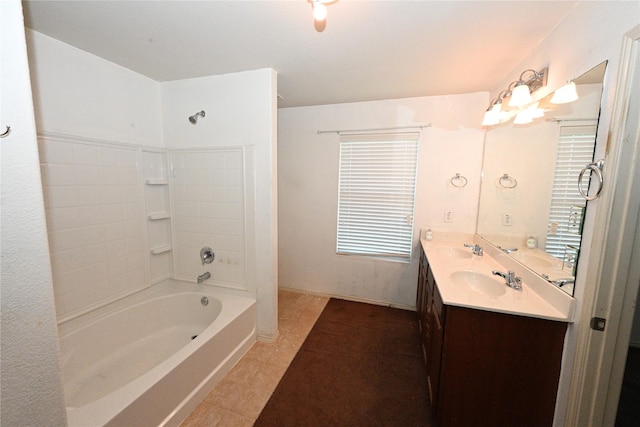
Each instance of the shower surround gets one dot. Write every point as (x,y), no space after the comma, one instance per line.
(113,229)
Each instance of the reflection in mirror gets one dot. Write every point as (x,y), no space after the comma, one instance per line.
(530,205)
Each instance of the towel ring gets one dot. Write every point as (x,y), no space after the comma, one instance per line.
(6,132)
(458,181)
(506,181)
(597,169)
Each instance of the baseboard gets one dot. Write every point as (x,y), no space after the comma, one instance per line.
(349,298)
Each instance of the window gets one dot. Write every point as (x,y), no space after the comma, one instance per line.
(575,150)
(376,194)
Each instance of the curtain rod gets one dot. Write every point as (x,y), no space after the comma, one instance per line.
(587,119)
(339,131)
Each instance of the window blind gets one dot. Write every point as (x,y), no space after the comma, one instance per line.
(377,186)
(575,151)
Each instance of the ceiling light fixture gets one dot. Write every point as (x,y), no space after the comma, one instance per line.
(320,9)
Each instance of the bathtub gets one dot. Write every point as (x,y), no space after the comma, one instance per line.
(150,358)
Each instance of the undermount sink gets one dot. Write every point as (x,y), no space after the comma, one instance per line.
(454,252)
(531,260)
(479,282)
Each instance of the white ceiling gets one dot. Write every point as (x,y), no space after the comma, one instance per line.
(368,50)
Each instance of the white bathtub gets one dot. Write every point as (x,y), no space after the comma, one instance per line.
(150,358)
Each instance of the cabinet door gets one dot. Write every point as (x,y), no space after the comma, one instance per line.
(434,353)
(498,369)
(422,302)
(422,288)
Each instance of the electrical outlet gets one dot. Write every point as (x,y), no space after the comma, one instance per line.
(507,219)
(448,216)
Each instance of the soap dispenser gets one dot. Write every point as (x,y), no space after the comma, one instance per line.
(532,242)
(428,234)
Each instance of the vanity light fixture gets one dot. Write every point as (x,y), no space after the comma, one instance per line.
(491,116)
(521,94)
(495,114)
(565,94)
(528,114)
(522,118)
(536,111)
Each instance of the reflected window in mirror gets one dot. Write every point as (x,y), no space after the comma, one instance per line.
(575,150)
(548,238)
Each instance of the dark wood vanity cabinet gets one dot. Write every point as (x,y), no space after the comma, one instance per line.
(486,368)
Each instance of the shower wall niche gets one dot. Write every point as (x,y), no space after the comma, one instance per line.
(158,214)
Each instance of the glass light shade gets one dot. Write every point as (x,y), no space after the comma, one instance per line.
(505,116)
(565,94)
(534,111)
(537,113)
(319,11)
(520,96)
(492,115)
(522,118)
(490,118)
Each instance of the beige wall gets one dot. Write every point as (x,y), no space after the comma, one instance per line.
(308,186)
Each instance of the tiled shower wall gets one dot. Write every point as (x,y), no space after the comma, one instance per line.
(208,203)
(94,208)
(120,218)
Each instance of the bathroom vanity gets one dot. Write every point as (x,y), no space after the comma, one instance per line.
(492,353)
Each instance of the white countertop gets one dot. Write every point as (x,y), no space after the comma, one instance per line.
(538,298)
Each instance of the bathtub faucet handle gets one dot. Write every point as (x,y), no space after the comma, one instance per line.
(206,255)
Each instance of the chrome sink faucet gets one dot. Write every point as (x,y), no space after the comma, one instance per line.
(511,280)
(561,282)
(476,249)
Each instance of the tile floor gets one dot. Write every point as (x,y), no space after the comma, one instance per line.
(239,398)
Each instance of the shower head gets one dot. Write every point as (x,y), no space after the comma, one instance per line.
(194,119)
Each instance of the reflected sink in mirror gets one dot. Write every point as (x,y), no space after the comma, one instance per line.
(532,260)
(454,252)
(479,283)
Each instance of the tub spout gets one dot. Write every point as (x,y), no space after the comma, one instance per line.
(204,276)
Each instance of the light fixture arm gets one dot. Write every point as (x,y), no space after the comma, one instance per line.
(501,96)
(537,79)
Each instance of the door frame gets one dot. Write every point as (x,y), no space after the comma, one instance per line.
(612,279)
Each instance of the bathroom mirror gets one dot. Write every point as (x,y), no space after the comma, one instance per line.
(530,205)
